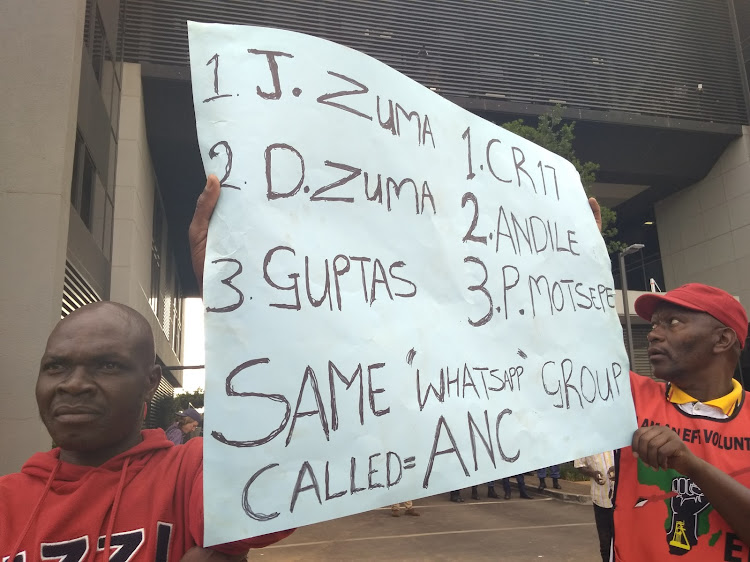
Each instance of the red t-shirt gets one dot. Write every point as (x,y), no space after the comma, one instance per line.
(661,514)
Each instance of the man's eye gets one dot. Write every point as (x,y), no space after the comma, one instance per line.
(673,321)
(110,366)
(53,366)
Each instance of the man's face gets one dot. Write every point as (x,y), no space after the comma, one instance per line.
(680,342)
(190,426)
(94,378)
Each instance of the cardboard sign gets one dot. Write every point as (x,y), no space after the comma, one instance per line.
(402,298)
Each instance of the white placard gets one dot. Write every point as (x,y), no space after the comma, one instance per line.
(402,298)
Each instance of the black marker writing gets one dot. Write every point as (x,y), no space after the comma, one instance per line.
(273,66)
(361,89)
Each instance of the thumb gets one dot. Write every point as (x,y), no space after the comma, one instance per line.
(204,208)
(596,210)
(198,231)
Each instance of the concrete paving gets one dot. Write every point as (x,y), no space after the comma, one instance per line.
(543,528)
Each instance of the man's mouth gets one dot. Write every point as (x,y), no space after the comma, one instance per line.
(655,354)
(74,414)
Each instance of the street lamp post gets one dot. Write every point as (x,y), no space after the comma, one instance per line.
(626,307)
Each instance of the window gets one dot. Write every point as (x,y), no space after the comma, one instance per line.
(166,298)
(87,188)
(156,256)
(106,64)
(108,227)
(166,294)
(87,24)
(177,318)
(98,46)
(92,184)
(77,165)
(99,204)
(107,81)
(89,197)
(82,184)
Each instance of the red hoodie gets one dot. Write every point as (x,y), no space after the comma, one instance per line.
(145,504)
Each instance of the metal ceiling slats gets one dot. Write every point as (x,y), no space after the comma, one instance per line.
(155,413)
(612,55)
(641,363)
(630,32)
(76,291)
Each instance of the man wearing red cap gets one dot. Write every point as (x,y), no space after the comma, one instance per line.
(683,489)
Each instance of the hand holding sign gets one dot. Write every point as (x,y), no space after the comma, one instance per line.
(198,231)
(597,212)
(401,298)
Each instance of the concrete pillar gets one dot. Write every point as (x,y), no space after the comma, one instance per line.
(134,212)
(40,69)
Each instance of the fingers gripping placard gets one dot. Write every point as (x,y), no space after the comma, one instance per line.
(401,298)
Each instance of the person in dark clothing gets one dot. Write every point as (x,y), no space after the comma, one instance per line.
(491,493)
(521,487)
(554,472)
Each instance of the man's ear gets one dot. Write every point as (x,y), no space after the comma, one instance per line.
(154,378)
(726,340)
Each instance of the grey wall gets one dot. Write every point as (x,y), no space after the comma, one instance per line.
(40,68)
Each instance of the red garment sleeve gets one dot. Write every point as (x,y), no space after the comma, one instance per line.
(232,548)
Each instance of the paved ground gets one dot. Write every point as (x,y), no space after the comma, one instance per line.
(513,530)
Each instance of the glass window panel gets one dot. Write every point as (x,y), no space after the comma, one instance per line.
(75,183)
(120,54)
(87,188)
(115,116)
(107,81)
(156,255)
(87,25)
(97,212)
(108,226)
(177,319)
(97,48)
(166,299)
(112,164)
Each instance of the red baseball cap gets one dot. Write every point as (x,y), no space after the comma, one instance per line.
(703,298)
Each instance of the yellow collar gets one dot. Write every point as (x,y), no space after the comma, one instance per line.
(726,403)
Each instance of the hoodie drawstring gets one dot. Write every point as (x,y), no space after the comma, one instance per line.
(115,506)
(110,524)
(14,550)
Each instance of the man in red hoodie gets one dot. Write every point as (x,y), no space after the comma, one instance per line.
(110,491)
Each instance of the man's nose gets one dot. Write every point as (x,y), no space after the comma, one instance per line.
(77,381)
(655,334)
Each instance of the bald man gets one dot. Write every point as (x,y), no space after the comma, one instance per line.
(109,487)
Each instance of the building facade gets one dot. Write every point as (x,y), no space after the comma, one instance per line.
(102,170)
(80,206)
